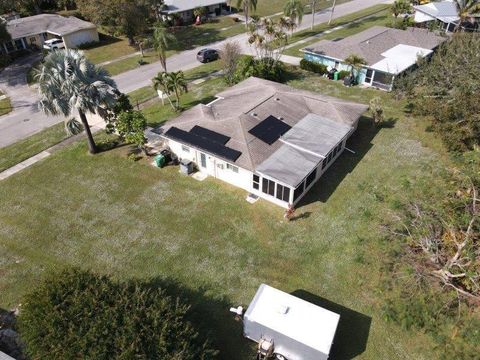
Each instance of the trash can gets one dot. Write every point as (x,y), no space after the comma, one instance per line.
(186,166)
(335,75)
(160,160)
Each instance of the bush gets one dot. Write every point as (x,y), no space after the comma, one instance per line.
(343,74)
(265,68)
(77,314)
(313,67)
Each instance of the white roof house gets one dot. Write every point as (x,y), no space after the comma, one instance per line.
(299,330)
(176,6)
(270,139)
(444,11)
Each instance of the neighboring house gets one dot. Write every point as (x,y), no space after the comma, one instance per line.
(267,138)
(32,31)
(184,8)
(387,52)
(443,12)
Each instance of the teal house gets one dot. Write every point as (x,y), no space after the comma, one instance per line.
(387,52)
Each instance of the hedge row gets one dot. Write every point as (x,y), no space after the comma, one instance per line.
(313,67)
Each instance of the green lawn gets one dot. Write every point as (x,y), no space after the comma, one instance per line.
(270,7)
(108,49)
(5,106)
(26,148)
(381,18)
(130,220)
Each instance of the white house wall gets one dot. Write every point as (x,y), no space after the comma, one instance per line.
(80,37)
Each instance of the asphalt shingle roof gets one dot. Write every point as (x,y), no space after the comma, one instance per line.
(243,106)
(371,43)
(55,24)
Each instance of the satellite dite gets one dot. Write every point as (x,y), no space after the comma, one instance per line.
(286,327)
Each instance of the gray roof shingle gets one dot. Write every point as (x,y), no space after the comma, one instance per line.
(246,104)
(371,43)
(55,24)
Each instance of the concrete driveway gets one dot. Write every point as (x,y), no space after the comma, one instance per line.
(26,119)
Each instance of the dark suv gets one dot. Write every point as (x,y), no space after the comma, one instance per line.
(207,55)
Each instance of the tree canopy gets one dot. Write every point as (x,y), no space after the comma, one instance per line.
(81,315)
(446,90)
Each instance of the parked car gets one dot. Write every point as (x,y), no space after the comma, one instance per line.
(207,55)
(53,44)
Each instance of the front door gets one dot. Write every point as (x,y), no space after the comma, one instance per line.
(203,160)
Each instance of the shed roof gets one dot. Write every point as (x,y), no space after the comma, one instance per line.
(175,6)
(374,42)
(55,24)
(298,319)
(243,106)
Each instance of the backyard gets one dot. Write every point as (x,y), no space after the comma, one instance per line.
(131,220)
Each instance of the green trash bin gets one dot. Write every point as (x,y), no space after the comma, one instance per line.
(335,75)
(160,160)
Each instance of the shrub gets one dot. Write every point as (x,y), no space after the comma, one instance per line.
(343,74)
(313,66)
(77,314)
(265,68)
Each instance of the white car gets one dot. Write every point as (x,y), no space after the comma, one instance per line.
(53,44)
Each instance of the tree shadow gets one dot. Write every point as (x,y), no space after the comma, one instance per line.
(353,328)
(211,317)
(360,143)
(304,215)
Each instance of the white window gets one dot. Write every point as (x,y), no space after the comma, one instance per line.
(233,168)
(185,149)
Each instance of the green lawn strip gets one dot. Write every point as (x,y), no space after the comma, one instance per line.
(270,7)
(26,148)
(378,15)
(199,72)
(128,219)
(5,106)
(109,48)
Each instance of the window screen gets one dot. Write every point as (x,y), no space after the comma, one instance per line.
(298,191)
(311,178)
(283,193)
(268,187)
(256,182)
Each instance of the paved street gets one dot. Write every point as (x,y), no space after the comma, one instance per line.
(26,119)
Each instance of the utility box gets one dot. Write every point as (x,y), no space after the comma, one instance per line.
(186,166)
(299,330)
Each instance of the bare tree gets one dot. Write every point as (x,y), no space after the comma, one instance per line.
(229,56)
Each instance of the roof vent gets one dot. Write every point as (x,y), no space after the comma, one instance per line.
(277,99)
(282,309)
(281,118)
(253,114)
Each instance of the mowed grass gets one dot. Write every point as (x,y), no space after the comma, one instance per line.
(128,219)
(5,106)
(270,7)
(26,148)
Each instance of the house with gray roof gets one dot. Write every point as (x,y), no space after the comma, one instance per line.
(388,52)
(267,138)
(184,8)
(33,31)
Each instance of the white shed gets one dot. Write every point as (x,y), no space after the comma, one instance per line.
(298,329)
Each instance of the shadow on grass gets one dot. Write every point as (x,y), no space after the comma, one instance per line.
(211,317)
(360,143)
(353,329)
(105,39)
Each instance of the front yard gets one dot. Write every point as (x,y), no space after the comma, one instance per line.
(128,219)
(5,105)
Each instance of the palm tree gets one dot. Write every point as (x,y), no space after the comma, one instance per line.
(399,7)
(67,81)
(247,5)
(467,9)
(294,10)
(161,39)
(331,13)
(355,62)
(169,83)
